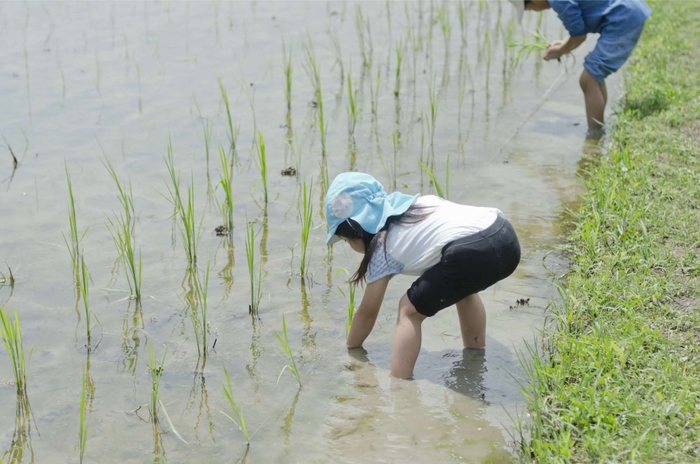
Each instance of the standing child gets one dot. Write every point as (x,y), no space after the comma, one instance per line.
(457,251)
(619,23)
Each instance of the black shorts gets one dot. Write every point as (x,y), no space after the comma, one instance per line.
(468,265)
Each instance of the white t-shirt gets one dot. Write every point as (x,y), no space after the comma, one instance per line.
(412,249)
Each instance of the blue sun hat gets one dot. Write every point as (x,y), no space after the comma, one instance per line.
(360,197)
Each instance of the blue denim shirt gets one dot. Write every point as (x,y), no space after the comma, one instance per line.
(617,17)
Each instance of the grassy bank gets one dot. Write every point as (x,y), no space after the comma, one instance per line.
(617,377)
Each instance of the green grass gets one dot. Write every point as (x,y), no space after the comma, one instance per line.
(11,333)
(283,340)
(239,420)
(616,377)
(314,73)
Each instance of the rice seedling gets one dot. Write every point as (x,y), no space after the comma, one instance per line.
(444,19)
(374,93)
(121,228)
(335,41)
(287,58)
(461,10)
(284,344)
(207,126)
(11,333)
(364,37)
(232,134)
(441,193)
(350,296)
(399,59)
(394,172)
(527,45)
(432,95)
(82,432)
(226,206)
(74,238)
(312,70)
(255,290)
(240,422)
(189,228)
(351,106)
(306,223)
(261,162)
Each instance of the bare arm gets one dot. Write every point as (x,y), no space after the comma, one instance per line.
(559,49)
(366,315)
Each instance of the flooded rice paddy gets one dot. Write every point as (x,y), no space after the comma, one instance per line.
(84,84)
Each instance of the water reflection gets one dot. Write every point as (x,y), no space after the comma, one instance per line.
(131,325)
(466,376)
(200,396)
(21,445)
(386,419)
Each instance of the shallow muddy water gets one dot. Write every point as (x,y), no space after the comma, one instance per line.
(81,81)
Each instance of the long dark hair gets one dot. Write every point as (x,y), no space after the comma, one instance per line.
(352,229)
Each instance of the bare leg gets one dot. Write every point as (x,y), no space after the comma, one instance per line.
(472,321)
(604,90)
(595,100)
(407,340)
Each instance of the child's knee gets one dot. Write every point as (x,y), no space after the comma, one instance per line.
(408,311)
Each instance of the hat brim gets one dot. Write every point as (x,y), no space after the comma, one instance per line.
(394,204)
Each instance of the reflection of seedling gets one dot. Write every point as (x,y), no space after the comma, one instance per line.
(399,59)
(284,343)
(82,435)
(7,279)
(12,339)
(532,43)
(228,392)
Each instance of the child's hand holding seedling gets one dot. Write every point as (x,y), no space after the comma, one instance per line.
(554,50)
